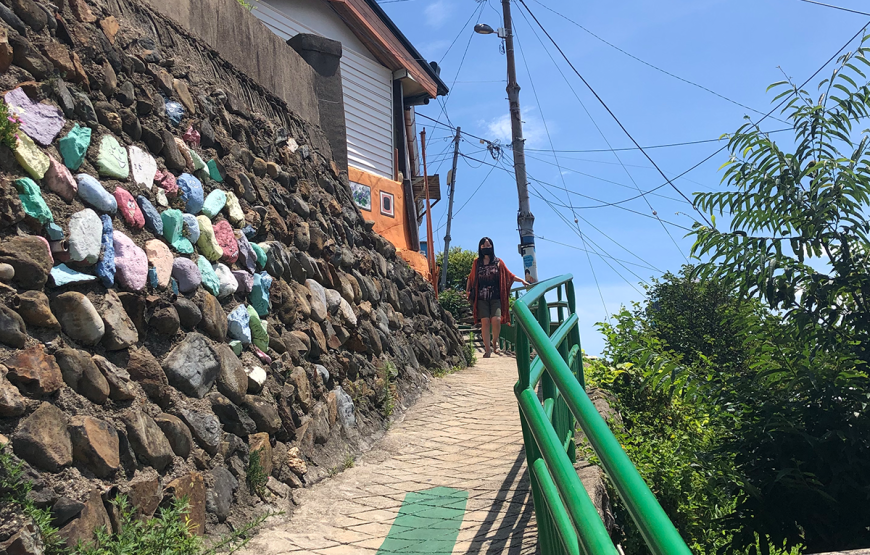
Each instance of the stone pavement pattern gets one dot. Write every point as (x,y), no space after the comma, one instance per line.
(465,435)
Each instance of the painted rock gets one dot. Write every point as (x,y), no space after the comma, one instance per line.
(245,281)
(259,296)
(160,257)
(92,192)
(191,228)
(160,195)
(128,208)
(42,122)
(153,221)
(259,335)
(172,228)
(214,170)
(210,280)
(234,210)
(185,152)
(167,182)
(131,263)
(60,181)
(31,200)
(247,256)
(228,283)
(239,325)
(106,266)
(214,203)
(208,245)
(143,165)
(85,233)
(261,255)
(225,237)
(112,158)
(191,193)
(191,136)
(74,146)
(33,160)
(54,231)
(64,275)
(186,274)
(198,164)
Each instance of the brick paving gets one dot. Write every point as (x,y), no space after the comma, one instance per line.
(463,434)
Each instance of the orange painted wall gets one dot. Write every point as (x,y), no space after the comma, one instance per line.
(393,229)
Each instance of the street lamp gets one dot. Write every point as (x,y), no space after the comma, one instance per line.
(525,218)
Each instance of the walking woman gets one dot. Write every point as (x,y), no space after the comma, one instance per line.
(488,289)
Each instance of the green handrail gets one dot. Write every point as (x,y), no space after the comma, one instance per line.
(568,522)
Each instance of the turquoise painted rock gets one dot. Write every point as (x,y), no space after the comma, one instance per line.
(63,275)
(207,243)
(173,224)
(259,296)
(34,161)
(92,192)
(31,200)
(214,203)
(210,280)
(214,171)
(259,335)
(191,193)
(74,146)
(261,255)
(112,158)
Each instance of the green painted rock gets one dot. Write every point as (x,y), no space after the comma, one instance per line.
(198,164)
(214,203)
(32,201)
(214,171)
(261,255)
(207,243)
(259,336)
(112,159)
(210,280)
(33,160)
(173,223)
(74,146)
(236,346)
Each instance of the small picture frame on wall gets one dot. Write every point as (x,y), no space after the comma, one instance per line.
(362,195)
(388,207)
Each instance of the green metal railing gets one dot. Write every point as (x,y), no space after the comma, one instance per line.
(568,522)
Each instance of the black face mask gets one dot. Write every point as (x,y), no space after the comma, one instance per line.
(487,251)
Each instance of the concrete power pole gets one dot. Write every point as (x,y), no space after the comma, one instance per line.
(525,218)
(451,189)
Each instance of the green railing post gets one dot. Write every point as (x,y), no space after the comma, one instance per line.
(561,503)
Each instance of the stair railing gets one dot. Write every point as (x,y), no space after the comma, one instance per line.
(568,522)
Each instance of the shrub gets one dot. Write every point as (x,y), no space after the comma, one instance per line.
(455,303)
(459,263)
(255,474)
(469,352)
(9,126)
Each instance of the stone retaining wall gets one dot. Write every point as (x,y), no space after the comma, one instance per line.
(184,278)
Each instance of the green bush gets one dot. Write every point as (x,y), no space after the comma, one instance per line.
(459,263)
(9,126)
(455,303)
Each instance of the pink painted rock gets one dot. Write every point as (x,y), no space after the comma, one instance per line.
(47,247)
(245,280)
(129,209)
(185,152)
(131,263)
(191,136)
(60,181)
(223,234)
(167,182)
(160,257)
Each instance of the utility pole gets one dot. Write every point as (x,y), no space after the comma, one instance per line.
(525,219)
(450,190)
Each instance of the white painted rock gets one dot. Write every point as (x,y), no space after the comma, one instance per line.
(228,283)
(85,232)
(143,165)
(256,378)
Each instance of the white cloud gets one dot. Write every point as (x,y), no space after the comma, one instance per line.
(533,129)
(437,13)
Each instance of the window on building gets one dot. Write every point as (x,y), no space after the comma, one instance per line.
(387,204)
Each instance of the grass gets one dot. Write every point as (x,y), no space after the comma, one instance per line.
(349,461)
(255,474)
(386,384)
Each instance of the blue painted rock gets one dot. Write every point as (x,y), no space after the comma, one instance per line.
(106,265)
(191,193)
(239,325)
(153,221)
(93,193)
(260,293)
(191,228)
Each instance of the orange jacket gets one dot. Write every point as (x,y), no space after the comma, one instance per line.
(505,281)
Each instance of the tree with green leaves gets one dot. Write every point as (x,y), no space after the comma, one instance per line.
(797,240)
(459,263)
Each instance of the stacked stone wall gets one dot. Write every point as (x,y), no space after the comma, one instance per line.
(184,279)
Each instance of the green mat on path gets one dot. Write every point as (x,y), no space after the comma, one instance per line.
(428,522)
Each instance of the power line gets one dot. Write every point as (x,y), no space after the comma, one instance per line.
(835,7)
(469,198)
(632,56)
(685,143)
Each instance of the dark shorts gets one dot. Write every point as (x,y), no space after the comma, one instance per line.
(489,309)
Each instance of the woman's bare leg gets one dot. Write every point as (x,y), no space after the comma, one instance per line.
(484,329)
(496,329)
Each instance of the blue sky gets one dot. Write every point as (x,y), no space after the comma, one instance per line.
(735,49)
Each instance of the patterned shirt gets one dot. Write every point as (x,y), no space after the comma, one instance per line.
(488,280)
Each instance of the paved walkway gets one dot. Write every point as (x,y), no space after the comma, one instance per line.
(450,478)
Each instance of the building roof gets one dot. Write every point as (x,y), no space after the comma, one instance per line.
(382,37)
